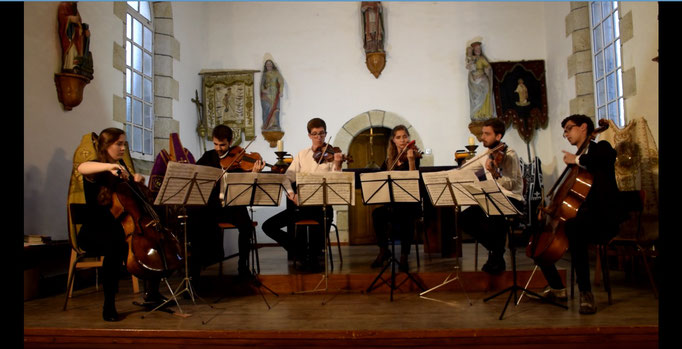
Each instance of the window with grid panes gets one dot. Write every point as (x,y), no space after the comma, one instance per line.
(606,56)
(139,83)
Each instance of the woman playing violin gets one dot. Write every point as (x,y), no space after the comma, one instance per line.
(101,234)
(205,234)
(503,166)
(401,155)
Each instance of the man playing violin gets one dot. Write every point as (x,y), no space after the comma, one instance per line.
(598,216)
(206,236)
(503,165)
(305,162)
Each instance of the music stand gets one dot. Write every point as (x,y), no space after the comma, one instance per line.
(186,185)
(323,189)
(493,202)
(249,189)
(389,188)
(445,189)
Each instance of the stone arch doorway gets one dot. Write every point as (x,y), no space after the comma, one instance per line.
(354,128)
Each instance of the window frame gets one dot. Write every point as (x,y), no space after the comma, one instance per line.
(144,103)
(601,46)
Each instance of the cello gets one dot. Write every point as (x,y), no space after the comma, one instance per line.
(568,193)
(153,251)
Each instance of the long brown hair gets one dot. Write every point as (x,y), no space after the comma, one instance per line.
(107,137)
(392,150)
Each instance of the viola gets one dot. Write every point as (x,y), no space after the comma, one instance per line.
(497,155)
(153,251)
(568,193)
(325,153)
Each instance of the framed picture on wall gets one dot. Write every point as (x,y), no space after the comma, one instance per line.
(521,95)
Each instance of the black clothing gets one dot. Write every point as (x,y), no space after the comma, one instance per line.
(204,234)
(297,245)
(598,217)
(399,218)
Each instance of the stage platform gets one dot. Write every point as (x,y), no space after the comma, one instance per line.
(235,315)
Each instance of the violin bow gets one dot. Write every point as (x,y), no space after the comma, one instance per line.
(401,153)
(324,150)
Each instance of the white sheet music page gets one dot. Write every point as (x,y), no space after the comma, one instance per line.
(240,186)
(176,183)
(437,186)
(376,191)
(340,188)
(495,201)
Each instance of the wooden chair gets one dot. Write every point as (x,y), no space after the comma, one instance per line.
(623,246)
(253,242)
(81,259)
(307,223)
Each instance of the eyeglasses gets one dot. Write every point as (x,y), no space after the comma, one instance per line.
(315,134)
(568,129)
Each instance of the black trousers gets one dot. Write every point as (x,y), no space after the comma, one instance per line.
(272,227)
(397,221)
(490,231)
(585,229)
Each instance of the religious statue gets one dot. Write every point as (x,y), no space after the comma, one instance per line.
(77,65)
(271,89)
(522,91)
(75,40)
(481,99)
(373,36)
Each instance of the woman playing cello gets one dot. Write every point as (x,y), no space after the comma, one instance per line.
(101,233)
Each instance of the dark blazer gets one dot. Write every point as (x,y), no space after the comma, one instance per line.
(602,200)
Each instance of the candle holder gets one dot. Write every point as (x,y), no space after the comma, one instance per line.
(280,166)
(472,150)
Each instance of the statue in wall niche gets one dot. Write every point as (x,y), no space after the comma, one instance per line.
(373,36)
(482,102)
(271,90)
(77,65)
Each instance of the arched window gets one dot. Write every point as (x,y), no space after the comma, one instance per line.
(139,86)
(606,57)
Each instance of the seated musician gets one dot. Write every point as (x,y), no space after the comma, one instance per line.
(402,216)
(305,163)
(597,218)
(101,233)
(205,235)
(491,231)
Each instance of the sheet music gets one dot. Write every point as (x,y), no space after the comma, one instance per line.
(240,186)
(501,202)
(178,180)
(437,186)
(340,188)
(375,189)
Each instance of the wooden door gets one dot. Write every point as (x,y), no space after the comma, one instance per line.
(369,151)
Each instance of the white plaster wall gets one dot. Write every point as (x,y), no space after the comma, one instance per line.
(637,53)
(51,134)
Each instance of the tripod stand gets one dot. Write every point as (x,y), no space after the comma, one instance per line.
(323,190)
(433,182)
(240,187)
(387,183)
(512,250)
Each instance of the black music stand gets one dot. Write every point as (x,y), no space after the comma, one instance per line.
(444,192)
(249,189)
(186,185)
(494,202)
(323,189)
(389,188)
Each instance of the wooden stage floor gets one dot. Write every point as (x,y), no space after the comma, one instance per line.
(235,315)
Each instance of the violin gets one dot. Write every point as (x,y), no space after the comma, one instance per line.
(237,158)
(325,153)
(417,153)
(497,155)
(569,192)
(153,251)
